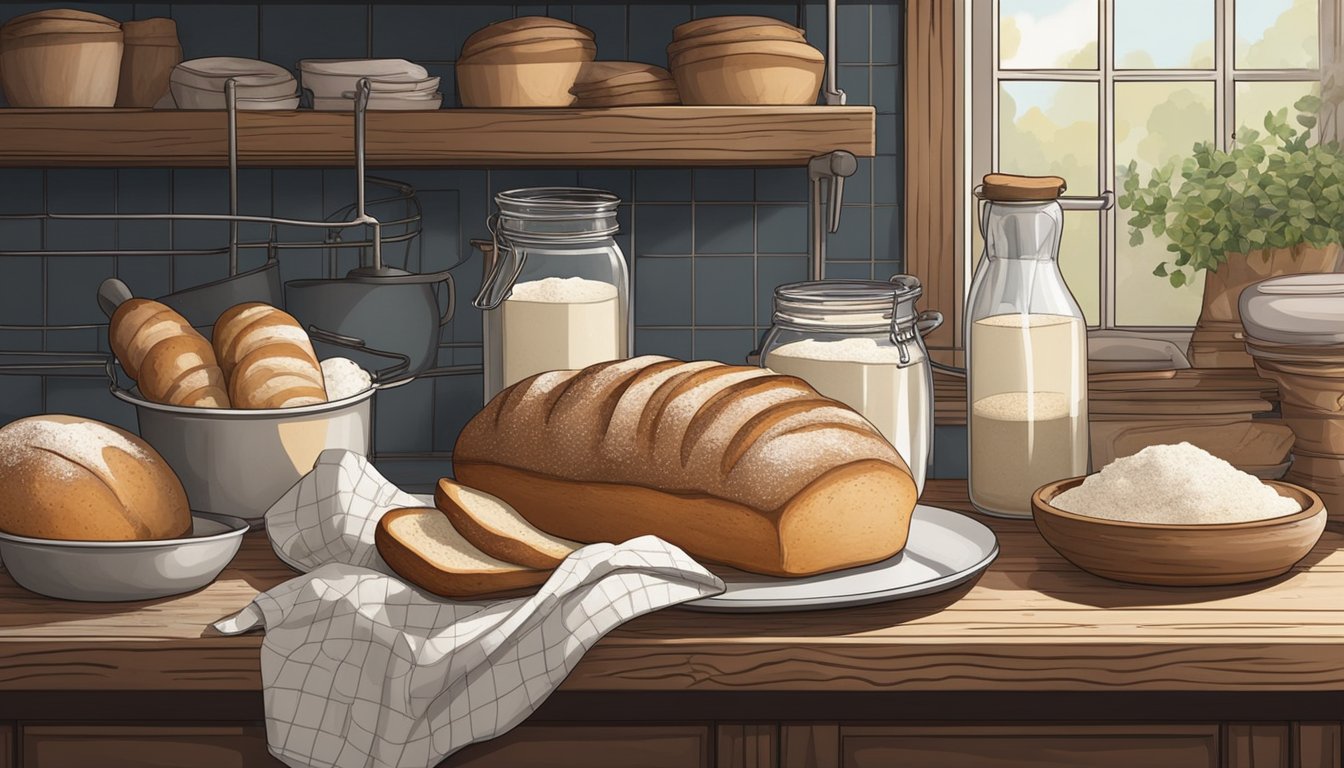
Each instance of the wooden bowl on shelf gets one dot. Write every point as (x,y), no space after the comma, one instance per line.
(532,61)
(60,58)
(711,25)
(1181,555)
(753,72)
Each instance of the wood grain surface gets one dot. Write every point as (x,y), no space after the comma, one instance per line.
(1031,623)
(757,136)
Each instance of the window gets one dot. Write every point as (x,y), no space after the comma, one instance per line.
(1082,88)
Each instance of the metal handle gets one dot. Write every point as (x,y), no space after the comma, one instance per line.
(493,292)
(927,322)
(112,293)
(381,377)
(447,316)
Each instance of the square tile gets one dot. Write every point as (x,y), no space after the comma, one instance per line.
(889,135)
(786,12)
(782,185)
(501,181)
(675,342)
(859,187)
(663,185)
(75,340)
(20,290)
(724,229)
(781,229)
(402,424)
(608,25)
(663,293)
(854,240)
(565,12)
(772,272)
(440,230)
(725,290)
(456,400)
(887,34)
(716,184)
(725,345)
(72,288)
(144,190)
(618,182)
(150,276)
(650,30)
(218,29)
(22,190)
(884,270)
(949,453)
(290,33)
(851,28)
(20,396)
(82,190)
(849,270)
(888,234)
(662,229)
(88,397)
(854,82)
(888,180)
(20,341)
(429,32)
(887,91)
(21,234)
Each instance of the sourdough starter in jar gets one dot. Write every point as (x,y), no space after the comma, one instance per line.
(560,323)
(867,375)
(1021,440)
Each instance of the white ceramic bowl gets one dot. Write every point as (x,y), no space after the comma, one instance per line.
(110,571)
(390,102)
(378,69)
(332,86)
(189,97)
(211,73)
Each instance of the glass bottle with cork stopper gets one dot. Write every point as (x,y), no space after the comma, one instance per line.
(1026,350)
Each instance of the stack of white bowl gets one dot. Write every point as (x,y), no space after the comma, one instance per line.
(199,84)
(393,84)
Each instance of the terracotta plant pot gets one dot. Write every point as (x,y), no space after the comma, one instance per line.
(1217,341)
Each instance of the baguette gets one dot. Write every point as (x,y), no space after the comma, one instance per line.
(497,529)
(733,464)
(268,358)
(170,361)
(422,546)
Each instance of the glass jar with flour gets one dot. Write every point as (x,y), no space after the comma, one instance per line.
(1026,351)
(556,290)
(860,342)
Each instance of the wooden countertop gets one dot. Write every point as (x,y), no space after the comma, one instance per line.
(1032,623)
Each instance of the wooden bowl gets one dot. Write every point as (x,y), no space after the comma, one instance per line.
(544,84)
(613,74)
(521,28)
(762,72)
(714,24)
(61,69)
(677,47)
(1181,555)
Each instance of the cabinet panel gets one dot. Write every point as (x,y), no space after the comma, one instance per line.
(1318,745)
(1030,747)
(55,746)
(1262,745)
(670,746)
(6,745)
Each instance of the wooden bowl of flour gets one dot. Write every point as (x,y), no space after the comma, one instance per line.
(1184,555)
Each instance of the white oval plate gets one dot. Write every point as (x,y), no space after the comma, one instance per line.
(110,571)
(945,549)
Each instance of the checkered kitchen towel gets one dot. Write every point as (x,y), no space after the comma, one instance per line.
(361,669)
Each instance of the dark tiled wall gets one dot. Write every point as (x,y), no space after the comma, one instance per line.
(706,246)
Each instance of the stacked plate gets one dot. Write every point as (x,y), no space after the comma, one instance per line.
(393,83)
(624,84)
(199,84)
(733,60)
(530,61)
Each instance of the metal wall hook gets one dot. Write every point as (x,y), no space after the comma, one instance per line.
(827,173)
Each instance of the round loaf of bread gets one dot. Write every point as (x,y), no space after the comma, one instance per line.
(65,477)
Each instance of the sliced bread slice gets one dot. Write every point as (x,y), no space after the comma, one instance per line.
(423,547)
(497,529)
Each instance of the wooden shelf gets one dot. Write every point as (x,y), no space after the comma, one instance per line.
(630,136)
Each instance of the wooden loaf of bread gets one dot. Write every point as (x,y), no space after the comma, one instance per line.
(170,361)
(268,358)
(734,464)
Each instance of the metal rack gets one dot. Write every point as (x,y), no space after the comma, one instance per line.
(378,236)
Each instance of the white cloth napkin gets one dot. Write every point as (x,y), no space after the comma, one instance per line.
(361,669)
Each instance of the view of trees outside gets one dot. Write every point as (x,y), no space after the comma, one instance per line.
(1051,127)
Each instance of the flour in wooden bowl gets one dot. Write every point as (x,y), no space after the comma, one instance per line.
(1175,485)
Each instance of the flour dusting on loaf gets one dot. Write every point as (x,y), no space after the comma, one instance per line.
(62,442)
(733,463)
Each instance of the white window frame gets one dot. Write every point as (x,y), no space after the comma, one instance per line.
(982,75)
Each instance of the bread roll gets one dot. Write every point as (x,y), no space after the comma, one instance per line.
(268,358)
(734,464)
(64,477)
(168,359)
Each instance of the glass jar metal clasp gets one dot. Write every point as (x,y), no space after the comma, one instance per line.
(903,334)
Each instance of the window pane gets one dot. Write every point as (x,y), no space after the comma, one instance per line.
(1050,128)
(1183,39)
(1080,261)
(1278,34)
(1155,123)
(1048,34)
(1255,100)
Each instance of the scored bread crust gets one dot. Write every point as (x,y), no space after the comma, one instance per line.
(446,582)
(170,361)
(268,358)
(492,542)
(732,463)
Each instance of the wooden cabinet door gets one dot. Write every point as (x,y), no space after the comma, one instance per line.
(617,746)
(1157,746)
(118,746)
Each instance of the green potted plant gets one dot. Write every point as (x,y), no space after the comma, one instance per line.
(1272,204)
